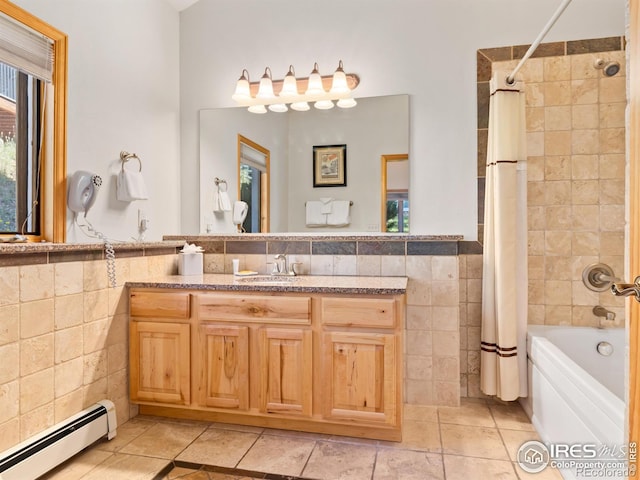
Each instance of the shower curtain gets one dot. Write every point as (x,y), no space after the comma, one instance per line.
(503,362)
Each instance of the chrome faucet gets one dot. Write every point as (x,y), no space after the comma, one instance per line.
(281,266)
(600,311)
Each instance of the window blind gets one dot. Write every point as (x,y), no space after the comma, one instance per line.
(25,50)
(253,158)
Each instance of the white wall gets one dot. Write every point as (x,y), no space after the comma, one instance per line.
(424,48)
(123,95)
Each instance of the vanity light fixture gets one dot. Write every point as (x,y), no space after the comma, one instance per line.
(321,90)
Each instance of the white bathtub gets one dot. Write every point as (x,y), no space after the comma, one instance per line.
(576,395)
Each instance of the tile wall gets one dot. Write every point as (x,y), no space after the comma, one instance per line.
(576,183)
(64,336)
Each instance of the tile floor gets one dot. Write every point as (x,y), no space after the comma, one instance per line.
(478,440)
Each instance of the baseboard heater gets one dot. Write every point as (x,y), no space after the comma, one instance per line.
(43,452)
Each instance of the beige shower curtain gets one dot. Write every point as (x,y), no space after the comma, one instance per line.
(503,362)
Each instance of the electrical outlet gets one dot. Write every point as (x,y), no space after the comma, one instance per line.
(373,227)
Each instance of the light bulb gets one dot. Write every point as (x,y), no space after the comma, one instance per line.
(290,84)
(323,104)
(300,106)
(339,83)
(265,90)
(315,82)
(278,107)
(243,89)
(257,109)
(347,103)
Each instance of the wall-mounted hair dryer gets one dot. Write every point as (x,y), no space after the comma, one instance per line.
(82,190)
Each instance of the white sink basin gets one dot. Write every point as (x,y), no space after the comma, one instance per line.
(267,280)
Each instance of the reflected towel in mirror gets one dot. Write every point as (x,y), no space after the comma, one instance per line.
(130,186)
(340,213)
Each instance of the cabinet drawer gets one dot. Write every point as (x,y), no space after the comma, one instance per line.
(254,308)
(358,312)
(159,304)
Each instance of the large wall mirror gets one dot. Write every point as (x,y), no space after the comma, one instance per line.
(377,126)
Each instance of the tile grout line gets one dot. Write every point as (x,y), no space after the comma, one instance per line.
(444,470)
(248,449)
(315,444)
(504,444)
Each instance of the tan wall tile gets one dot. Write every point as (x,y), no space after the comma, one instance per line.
(9,401)
(69,311)
(213,263)
(612,192)
(535,293)
(536,314)
(584,91)
(557,143)
(446,318)
(418,292)
(96,305)
(448,393)
(557,243)
(612,140)
(585,167)
(534,95)
(611,217)
(118,357)
(585,116)
(612,115)
(613,89)
(445,344)
(68,376)
(535,144)
(36,354)
(94,366)
(582,66)
(36,390)
(611,243)
(118,301)
(118,385)
(581,295)
(537,242)
(95,274)
(321,264)
(474,314)
(67,405)
(557,192)
(558,315)
(535,168)
(612,165)
(557,93)
(118,329)
(10,324)
(536,217)
(558,217)
(9,285)
(535,266)
(418,392)
(68,277)
(36,420)
(557,118)
(585,192)
(532,70)
(559,268)
(139,271)
(580,263)
(9,358)
(36,318)
(557,168)
(420,343)
(68,344)
(445,293)
(557,68)
(36,282)
(474,290)
(536,193)
(95,392)
(586,217)
(95,335)
(585,142)
(418,317)
(393,266)
(535,119)
(419,367)
(10,433)
(444,268)
(585,243)
(344,265)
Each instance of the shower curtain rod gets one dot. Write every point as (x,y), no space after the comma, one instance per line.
(511,78)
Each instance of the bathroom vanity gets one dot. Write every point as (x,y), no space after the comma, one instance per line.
(318,354)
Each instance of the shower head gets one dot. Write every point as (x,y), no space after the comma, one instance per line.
(608,68)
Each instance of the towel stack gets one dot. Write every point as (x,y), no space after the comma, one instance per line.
(328,213)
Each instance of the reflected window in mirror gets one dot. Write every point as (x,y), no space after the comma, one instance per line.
(33,93)
(253,184)
(395,193)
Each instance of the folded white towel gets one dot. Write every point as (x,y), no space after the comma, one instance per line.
(326,204)
(130,186)
(339,216)
(221,202)
(315,217)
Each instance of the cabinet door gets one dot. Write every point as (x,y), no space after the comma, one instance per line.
(222,367)
(360,377)
(286,371)
(160,362)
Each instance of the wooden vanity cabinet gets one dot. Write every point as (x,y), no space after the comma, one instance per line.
(316,362)
(160,348)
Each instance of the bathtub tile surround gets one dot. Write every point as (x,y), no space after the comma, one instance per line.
(63,334)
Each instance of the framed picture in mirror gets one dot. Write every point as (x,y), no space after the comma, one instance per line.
(330,166)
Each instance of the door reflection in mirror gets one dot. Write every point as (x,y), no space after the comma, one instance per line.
(395,193)
(253,184)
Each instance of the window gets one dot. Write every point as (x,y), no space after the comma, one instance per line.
(33,174)
(253,184)
(20,142)
(395,193)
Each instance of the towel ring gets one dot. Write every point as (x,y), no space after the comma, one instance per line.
(126,156)
(219,181)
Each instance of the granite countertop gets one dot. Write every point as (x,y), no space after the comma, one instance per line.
(301,283)
(37,247)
